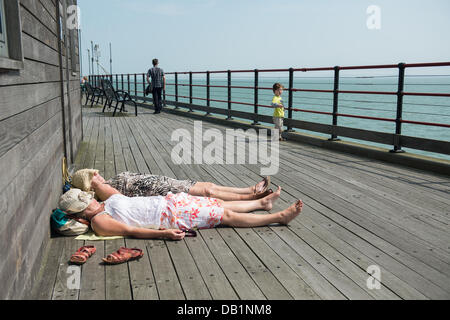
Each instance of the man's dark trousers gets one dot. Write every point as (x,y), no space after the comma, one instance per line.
(157,101)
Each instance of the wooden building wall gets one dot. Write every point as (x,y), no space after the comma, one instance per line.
(34,102)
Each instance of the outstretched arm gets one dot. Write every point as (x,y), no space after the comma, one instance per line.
(104,225)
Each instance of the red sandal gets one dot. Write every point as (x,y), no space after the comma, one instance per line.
(123,255)
(81,256)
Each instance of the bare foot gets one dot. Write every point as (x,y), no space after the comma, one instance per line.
(291,213)
(268,201)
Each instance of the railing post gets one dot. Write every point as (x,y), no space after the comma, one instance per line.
(190,91)
(144,86)
(335,103)
(229,95)
(135,85)
(256,102)
(128,80)
(208,92)
(291,97)
(122,88)
(176,89)
(398,119)
(117,82)
(164,96)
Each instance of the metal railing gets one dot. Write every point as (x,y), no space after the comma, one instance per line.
(395,139)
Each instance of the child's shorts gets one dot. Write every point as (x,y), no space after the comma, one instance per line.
(186,212)
(279,123)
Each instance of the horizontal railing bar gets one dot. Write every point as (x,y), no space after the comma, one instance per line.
(424,144)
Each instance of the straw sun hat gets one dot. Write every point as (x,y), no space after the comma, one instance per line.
(75,201)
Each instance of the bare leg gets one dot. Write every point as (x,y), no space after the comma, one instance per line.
(246,220)
(253,205)
(207,189)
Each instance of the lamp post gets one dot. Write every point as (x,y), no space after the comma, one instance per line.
(92,61)
(110,59)
(89,61)
(97,55)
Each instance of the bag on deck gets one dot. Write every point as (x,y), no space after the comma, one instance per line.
(67,226)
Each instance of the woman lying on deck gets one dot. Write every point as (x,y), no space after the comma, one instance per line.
(147,185)
(168,217)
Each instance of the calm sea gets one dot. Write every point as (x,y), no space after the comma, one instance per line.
(416,108)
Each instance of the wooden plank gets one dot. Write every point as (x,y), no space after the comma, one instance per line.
(99,163)
(426,287)
(117,276)
(43,288)
(33,72)
(145,147)
(377,206)
(393,188)
(93,274)
(33,27)
(166,278)
(14,129)
(266,281)
(110,167)
(126,150)
(141,166)
(143,284)
(61,290)
(389,280)
(295,285)
(241,281)
(118,154)
(210,270)
(191,280)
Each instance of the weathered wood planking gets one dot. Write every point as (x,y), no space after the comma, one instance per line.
(323,254)
(31,146)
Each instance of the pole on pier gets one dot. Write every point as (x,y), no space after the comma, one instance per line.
(190,90)
(110,59)
(335,103)
(398,119)
(92,61)
(256,102)
(229,95)
(89,62)
(208,92)
(291,97)
(144,86)
(135,86)
(176,89)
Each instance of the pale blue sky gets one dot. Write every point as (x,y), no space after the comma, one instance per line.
(198,35)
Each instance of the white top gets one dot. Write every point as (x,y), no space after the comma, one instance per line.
(144,212)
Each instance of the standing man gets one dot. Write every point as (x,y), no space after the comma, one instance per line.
(158,81)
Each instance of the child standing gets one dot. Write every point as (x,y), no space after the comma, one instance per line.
(277,104)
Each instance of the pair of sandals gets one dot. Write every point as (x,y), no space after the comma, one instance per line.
(120,256)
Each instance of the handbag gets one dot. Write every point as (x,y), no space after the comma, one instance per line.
(149,89)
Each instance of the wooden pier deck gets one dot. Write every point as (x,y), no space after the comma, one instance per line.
(358,212)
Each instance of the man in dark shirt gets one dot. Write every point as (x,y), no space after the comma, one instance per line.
(158,84)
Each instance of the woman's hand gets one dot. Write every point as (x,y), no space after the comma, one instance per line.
(174,234)
(98,178)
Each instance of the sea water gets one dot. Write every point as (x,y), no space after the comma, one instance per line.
(415,108)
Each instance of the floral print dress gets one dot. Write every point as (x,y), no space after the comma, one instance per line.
(186,212)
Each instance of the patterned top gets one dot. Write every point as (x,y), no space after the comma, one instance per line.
(157,75)
(147,185)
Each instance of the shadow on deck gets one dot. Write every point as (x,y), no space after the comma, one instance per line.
(359,213)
